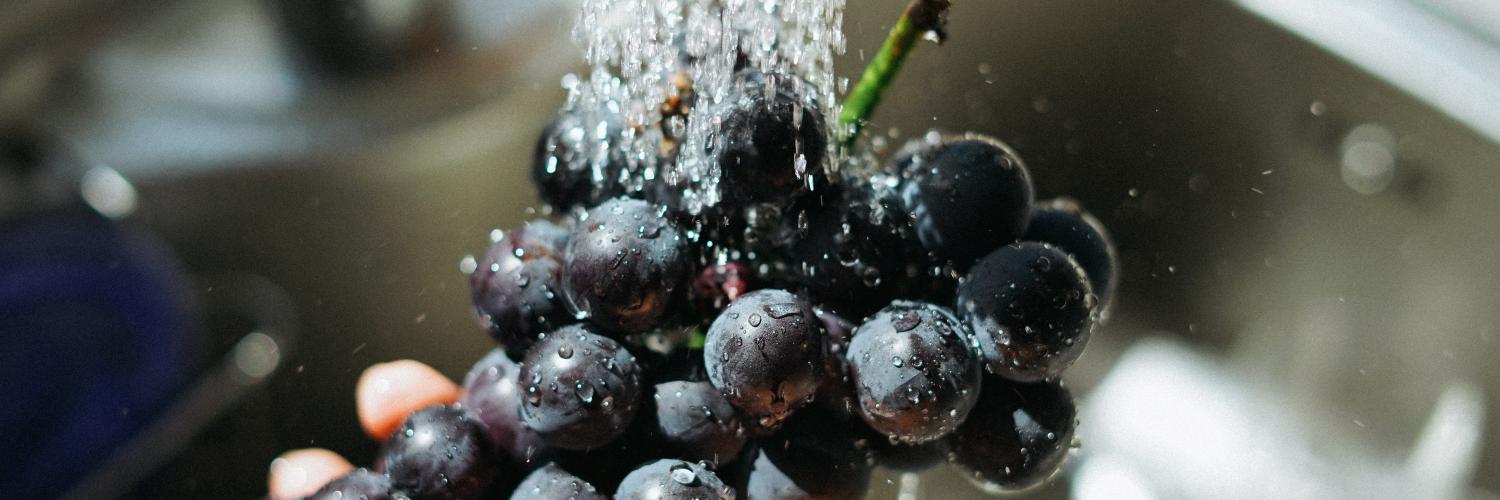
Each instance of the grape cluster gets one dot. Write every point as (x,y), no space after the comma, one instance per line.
(829,314)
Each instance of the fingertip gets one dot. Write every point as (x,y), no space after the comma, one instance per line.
(388,392)
(299,473)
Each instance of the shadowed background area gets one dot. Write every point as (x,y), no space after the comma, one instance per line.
(1321,231)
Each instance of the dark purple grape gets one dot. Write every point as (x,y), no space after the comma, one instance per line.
(671,479)
(765,355)
(772,140)
(817,455)
(697,423)
(550,482)
(914,372)
(516,286)
(358,484)
(839,331)
(1018,436)
(851,256)
(1030,308)
(1064,224)
(624,265)
(967,195)
(835,393)
(492,392)
(440,452)
(579,159)
(581,389)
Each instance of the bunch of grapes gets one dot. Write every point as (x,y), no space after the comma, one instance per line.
(829,314)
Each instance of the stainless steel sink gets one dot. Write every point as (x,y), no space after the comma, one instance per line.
(1322,232)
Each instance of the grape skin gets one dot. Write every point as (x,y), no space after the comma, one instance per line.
(1018,437)
(1031,310)
(765,355)
(1063,223)
(550,482)
(914,372)
(439,453)
(673,479)
(624,266)
(967,195)
(492,392)
(697,422)
(516,288)
(361,484)
(580,389)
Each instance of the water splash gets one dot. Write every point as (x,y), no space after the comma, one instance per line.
(660,70)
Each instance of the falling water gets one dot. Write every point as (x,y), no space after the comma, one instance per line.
(663,68)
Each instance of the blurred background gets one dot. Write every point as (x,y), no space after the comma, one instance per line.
(214,215)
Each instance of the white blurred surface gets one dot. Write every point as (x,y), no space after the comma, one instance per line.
(1444,54)
(1168,422)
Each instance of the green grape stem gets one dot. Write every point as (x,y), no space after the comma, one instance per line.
(921,18)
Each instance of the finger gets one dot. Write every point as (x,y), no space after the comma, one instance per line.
(388,392)
(299,473)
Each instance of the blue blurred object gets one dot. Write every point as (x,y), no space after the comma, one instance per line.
(94,322)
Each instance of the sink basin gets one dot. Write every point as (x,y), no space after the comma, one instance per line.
(1319,227)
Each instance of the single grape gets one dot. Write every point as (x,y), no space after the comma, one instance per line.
(581,389)
(852,256)
(967,195)
(772,140)
(765,355)
(673,479)
(1030,308)
(492,392)
(835,393)
(818,455)
(839,331)
(550,482)
(358,484)
(516,287)
(578,160)
(914,371)
(1064,224)
(624,265)
(1019,435)
(697,423)
(440,453)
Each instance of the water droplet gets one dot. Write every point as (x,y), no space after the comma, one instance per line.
(585,393)
(780,311)
(683,474)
